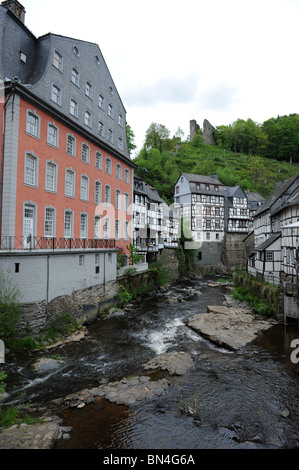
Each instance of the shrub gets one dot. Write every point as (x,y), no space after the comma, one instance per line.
(124,297)
(10,309)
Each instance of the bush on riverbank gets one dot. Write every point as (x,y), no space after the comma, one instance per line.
(261,296)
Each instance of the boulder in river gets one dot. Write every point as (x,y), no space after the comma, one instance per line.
(227,327)
(176,363)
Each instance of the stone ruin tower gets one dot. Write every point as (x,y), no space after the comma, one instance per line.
(208,131)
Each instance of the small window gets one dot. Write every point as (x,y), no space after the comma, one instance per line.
(99,160)
(85,153)
(51,176)
(84,188)
(23,57)
(69,182)
(88,90)
(120,120)
(56,94)
(33,124)
(87,119)
(101,102)
(83,226)
(57,60)
(74,108)
(76,51)
(108,166)
(110,136)
(118,171)
(127,176)
(81,261)
(31,170)
(52,138)
(75,77)
(98,192)
(110,111)
(17,267)
(101,129)
(71,145)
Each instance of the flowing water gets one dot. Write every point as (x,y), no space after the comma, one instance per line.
(228,400)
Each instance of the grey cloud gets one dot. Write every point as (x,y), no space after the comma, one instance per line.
(166,90)
(221,97)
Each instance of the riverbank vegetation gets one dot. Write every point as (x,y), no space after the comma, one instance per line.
(260,296)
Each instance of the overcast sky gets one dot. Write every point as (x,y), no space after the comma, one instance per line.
(173,61)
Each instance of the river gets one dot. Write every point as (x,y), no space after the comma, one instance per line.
(244,399)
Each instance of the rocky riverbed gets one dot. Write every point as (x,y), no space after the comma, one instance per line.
(230,325)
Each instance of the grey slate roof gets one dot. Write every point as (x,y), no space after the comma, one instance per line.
(201,179)
(268,242)
(277,199)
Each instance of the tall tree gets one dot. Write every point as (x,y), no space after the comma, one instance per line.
(156,136)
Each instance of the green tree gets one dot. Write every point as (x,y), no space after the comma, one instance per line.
(156,136)
(130,138)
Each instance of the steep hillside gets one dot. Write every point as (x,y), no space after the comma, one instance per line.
(161,169)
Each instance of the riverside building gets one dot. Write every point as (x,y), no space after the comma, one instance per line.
(66,179)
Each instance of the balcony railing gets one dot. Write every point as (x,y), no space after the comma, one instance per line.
(31,243)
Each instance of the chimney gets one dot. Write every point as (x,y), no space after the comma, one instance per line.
(16,8)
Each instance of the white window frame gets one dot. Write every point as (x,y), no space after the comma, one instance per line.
(108,166)
(56,94)
(98,160)
(101,102)
(120,143)
(107,228)
(110,110)
(58,60)
(33,128)
(117,229)
(110,136)
(127,176)
(69,232)
(88,89)
(101,129)
(51,176)
(88,119)
(71,145)
(73,107)
(50,222)
(97,192)
(126,230)
(83,226)
(75,77)
(118,199)
(84,189)
(118,171)
(85,153)
(107,194)
(53,137)
(31,170)
(120,120)
(70,183)
(127,201)
(97,227)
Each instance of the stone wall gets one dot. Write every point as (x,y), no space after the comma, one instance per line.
(84,305)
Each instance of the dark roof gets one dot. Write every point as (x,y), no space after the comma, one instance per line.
(202,179)
(146,190)
(276,195)
(268,242)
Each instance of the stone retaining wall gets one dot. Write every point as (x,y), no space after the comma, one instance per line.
(83,304)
